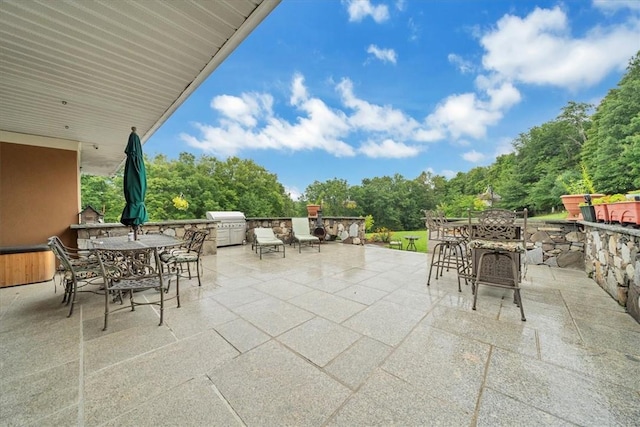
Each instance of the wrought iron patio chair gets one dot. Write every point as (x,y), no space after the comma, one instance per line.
(302,233)
(498,247)
(450,250)
(78,268)
(265,241)
(186,254)
(132,270)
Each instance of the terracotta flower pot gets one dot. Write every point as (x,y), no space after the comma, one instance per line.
(602,213)
(571,203)
(624,212)
(312,210)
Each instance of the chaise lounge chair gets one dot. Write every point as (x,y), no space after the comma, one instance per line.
(301,233)
(265,241)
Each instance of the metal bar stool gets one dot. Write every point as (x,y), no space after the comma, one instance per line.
(498,248)
(450,251)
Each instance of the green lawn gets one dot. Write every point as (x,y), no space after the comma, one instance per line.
(421,243)
(557,215)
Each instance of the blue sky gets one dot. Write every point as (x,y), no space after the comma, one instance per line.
(355,89)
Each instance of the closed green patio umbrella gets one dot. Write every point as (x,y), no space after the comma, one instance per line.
(135,185)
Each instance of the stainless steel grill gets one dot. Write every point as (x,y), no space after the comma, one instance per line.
(231,225)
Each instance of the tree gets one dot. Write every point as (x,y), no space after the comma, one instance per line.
(613,150)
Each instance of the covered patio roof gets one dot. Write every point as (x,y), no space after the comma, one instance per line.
(81,74)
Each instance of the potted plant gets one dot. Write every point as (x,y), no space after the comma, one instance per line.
(622,210)
(576,187)
(600,208)
(312,210)
(587,209)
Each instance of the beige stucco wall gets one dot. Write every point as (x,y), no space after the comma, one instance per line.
(38,194)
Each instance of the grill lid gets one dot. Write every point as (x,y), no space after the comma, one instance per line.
(225,216)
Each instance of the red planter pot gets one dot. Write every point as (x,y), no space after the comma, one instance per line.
(602,213)
(624,212)
(571,204)
(312,210)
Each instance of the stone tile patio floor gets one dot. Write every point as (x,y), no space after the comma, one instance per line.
(349,336)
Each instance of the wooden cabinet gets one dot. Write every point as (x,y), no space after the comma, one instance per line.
(26,264)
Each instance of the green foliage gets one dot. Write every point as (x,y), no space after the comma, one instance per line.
(610,198)
(368,223)
(613,148)
(547,161)
(458,206)
(204,184)
(383,234)
(577,183)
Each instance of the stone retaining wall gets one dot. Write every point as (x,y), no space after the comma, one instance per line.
(557,244)
(175,228)
(348,229)
(612,257)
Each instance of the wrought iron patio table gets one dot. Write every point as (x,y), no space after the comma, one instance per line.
(144,241)
(411,246)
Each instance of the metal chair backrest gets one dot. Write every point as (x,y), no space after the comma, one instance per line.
(300,226)
(129,264)
(188,235)
(197,240)
(59,251)
(264,233)
(497,224)
(436,223)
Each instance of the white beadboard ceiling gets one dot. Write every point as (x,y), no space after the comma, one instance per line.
(87,71)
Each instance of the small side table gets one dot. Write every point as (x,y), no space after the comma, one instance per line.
(411,246)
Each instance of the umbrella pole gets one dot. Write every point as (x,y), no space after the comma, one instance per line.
(135,232)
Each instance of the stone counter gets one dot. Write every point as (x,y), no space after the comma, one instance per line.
(87,232)
(347,229)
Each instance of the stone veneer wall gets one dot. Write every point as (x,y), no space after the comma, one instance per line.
(175,228)
(349,229)
(555,243)
(612,257)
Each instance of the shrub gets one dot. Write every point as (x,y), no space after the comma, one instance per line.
(382,234)
(368,223)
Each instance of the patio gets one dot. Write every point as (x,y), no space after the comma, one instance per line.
(348,336)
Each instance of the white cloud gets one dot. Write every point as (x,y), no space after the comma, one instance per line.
(360,9)
(248,122)
(385,55)
(414,30)
(611,5)
(375,118)
(503,97)
(293,192)
(473,156)
(428,135)
(246,109)
(388,149)
(321,128)
(539,49)
(298,90)
(504,146)
(463,115)
(447,173)
(461,64)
